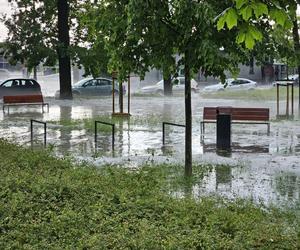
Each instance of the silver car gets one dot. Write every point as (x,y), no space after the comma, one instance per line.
(94,87)
(232,84)
(178,87)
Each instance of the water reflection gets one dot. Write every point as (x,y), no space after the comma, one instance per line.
(288,186)
(223,177)
(235,148)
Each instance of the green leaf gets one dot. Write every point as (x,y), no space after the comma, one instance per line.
(231,18)
(288,24)
(221,23)
(279,16)
(246,12)
(240,38)
(240,3)
(260,9)
(256,34)
(249,41)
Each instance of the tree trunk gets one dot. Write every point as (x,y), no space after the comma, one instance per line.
(121,97)
(188,118)
(297,51)
(34,73)
(63,54)
(168,90)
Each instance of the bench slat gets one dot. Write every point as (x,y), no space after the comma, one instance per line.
(23,99)
(243,114)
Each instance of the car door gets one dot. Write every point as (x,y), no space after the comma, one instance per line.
(89,87)
(246,84)
(10,87)
(235,85)
(104,86)
(29,87)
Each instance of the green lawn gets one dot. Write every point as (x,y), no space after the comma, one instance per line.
(257,94)
(50,203)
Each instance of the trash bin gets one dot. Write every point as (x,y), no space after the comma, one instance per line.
(224,128)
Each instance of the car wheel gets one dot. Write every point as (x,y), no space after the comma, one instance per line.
(219,90)
(159,92)
(251,89)
(194,91)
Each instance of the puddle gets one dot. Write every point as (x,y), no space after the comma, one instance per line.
(263,168)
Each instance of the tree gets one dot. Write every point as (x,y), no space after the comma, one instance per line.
(281,15)
(62,50)
(39,33)
(26,41)
(144,34)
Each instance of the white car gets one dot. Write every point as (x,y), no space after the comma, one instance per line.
(292,79)
(232,84)
(178,86)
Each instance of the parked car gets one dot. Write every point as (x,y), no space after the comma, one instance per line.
(4,74)
(232,84)
(178,86)
(20,86)
(94,87)
(292,78)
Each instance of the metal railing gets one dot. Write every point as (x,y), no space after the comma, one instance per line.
(170,124)
(31,130)
(113,132)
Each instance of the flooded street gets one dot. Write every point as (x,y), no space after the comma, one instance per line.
(262,167)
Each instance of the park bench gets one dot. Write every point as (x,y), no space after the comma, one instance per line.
(238,116)
(24,100)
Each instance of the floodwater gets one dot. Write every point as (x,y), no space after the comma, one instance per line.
(262,167)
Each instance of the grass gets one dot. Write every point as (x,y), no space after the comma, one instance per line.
(256,95)
(50,203)
(150,121)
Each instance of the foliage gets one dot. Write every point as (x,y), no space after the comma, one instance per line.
(51,203)
(246,14)
(33,36)
(30,41)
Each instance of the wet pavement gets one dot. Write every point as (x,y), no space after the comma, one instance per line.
(262,167)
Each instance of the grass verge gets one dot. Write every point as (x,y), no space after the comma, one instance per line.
(266,94)
(49,203)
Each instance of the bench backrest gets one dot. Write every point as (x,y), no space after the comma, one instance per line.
(23,99)
(238,114)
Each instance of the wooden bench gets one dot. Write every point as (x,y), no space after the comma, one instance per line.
(238,116)
(24,100)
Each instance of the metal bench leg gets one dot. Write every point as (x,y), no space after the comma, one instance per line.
(201,131)
(268,129)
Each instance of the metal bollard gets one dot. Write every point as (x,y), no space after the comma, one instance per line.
(223,131)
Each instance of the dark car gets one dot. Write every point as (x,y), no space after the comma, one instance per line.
(94,87)
(20,86)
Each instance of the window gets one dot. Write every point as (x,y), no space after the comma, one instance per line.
(7,84)
(244,82)
(90,83)
(104,82)
(236,82)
